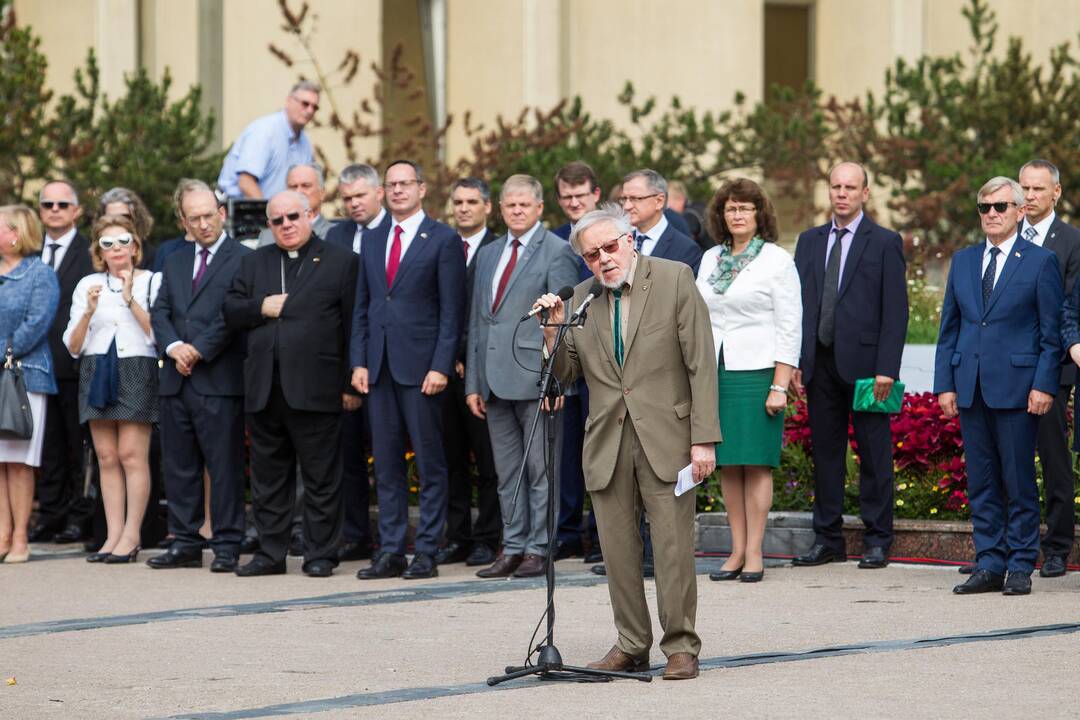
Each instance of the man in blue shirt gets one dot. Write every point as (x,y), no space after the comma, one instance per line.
(258,161)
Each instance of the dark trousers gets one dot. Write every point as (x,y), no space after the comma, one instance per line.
(1058,481)
(571,478)
(464,432)
(828,401)
(61,501)
(355,489)
(396,411)
(999,451)
(280,436)
(197,431)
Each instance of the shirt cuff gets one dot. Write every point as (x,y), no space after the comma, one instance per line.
(171,345)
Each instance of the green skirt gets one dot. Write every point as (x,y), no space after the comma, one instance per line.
(751,436)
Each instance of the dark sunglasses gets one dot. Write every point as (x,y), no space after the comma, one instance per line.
(293,217)
(61,204)
(610,248)
(999,207)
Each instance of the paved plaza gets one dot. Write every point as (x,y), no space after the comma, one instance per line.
(835,641)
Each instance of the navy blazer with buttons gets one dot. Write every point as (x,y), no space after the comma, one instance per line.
(871,302)
(1012,344)
(415,324)
(179,315)
(677,245)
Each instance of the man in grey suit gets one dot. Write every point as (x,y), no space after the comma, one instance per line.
(511,273)
(309,180)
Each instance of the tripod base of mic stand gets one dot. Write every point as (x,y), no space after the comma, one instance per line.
(550,667)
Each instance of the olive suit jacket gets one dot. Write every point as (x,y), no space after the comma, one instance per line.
(667,382)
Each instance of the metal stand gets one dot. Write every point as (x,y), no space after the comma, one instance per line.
(549,665)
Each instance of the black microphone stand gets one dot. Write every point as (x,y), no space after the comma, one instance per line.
(549,665)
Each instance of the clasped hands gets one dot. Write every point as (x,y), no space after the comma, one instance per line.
(185,355)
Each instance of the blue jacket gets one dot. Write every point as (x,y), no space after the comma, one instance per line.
(29,295)
(1013,344)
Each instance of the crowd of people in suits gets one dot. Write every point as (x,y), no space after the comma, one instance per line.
(319,342)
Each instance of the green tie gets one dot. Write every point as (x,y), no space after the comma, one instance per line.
(616,327)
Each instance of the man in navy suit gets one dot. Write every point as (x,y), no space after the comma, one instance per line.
(201,388)
(407,323)
(362,195)
(855,315)
(644,197)
(998,366)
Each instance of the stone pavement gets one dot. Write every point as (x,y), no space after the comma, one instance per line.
(92,641)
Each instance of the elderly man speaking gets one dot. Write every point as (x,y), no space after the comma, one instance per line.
(646,353)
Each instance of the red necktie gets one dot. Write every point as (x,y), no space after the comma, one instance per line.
(505,277)
(465,247)
(204,255)
(395,257)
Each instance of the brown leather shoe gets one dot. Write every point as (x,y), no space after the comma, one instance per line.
(531,566)
(618,661)
(504,566)
(681,666)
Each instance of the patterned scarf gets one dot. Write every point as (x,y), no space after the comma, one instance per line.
(729,266)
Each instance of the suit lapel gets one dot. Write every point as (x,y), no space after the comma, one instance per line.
(216,261)
(485,273)
(373,250)
(858,244)
(819,259)
(522,262)
(78,245)
(187,253)
(1012,263)
(308,268)
(417,247)
(640,296)
(975,273)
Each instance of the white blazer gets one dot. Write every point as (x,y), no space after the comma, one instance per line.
(113,318)
(758,321)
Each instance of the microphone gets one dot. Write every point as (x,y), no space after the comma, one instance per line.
(564,294)
(595,291)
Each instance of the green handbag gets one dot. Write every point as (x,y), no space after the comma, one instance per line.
(864,401)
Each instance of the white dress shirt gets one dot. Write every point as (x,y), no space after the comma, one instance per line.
(505,257)
(64,241)
(409,227)
(758,321)
(1042,229)
(473,243)
(1005,248)
(652,235)
(358,236)
(113,318)
(213,253)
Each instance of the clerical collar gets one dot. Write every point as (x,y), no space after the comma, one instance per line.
(300,252)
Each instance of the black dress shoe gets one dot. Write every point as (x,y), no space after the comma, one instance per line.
(1053,566)
(296,545)
(567,550)
(261,566)
(722,574)
(41,533)
(874,558)
(70,534)
(594,556)
(249,544)
(423,566)
(321,568)
(114,559)
(819,555)
(981,581)
(752,576)
(481,555)
(173,558)
(453,552)
(96,557)
(1017,583)
(224,563)
(598,569)
(354,551)
(966,569)
(387,566)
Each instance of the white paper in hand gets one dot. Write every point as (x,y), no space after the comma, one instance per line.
(685,480)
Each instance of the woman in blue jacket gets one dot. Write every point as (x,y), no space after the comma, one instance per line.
(29,294)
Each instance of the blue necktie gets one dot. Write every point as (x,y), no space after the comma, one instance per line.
(988,276)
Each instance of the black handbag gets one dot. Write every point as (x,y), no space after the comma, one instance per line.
(16,420)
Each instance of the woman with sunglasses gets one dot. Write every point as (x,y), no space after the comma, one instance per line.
(29,294)
(110,331)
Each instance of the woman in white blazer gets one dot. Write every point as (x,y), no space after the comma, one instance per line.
(110,330)
(752,290)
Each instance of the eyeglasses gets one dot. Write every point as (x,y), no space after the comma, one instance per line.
(306,104)
(292,217)
(199,220)
(636,198)
(999,207)
(734,210)
(107,242)
(403,184)
(576,197)
(610,248)
(56,204)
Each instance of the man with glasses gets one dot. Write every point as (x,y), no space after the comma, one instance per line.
(855,314)
(256,165)
(201,388)
(64,512)
(309,180)
(294,300)
(998,366)
(410,310)
(644,197)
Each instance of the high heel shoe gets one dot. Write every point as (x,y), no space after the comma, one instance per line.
(112,559)
(726,574)
(97,557)
(752,576)
(11,558)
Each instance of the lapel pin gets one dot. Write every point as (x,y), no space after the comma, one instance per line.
(644,288)
(1017,253)
(314,259)
(423,235)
